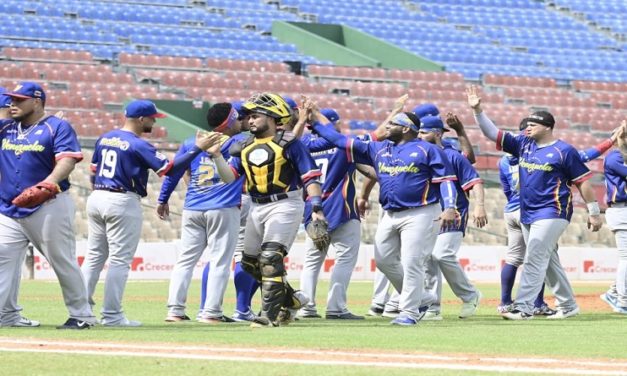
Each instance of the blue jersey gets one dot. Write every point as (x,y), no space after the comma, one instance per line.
(546,176)
(29,156)
(121,162)
(409,174)
(508,173)
(339,197)
(467,177)
(615,177)
(205,191)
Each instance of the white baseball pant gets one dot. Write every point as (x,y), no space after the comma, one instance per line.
(516,247)
(114,229)
(51,230)
(345,241)
(616,218)
(404,241)
(216,230)
(541,264)
(11,311)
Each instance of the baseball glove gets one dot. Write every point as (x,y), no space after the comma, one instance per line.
(318,232)
(36,195)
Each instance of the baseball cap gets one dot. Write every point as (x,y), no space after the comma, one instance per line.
(330,114)
(541,117)
(142,107)
(425,109)
(431,123)
(26,90)
(406,119)
(5,101)
(237,105)
(290,102)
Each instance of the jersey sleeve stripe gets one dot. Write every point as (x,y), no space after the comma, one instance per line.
(165,168)
(93,167)
(310,175)
(69,154)
(373,136)
(500,136)
(582,178)
(349,150)
(235,172)
(471,184)
(444,178)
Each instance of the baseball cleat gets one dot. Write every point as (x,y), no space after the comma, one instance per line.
(621,310)
(308,315)
(433,316)
(75,324)
(503,308)
(516,314)
(564,314)
(343,316)
(391,313)
(375,311)
(175,318)
(214,320)
(23,322)
(544,310)
(404,320)
(610,300)
(248,316)
(124,323)
(262,322)
(470,308)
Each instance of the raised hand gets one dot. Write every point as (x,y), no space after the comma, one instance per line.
(474,100)
(453,122)
(399,104)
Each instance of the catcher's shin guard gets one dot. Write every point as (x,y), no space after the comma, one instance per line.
(250,264)
(273,288)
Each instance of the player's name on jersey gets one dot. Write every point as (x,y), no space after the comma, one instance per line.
(21,148)
(394,170)
(115,142)
(536,166)
(324,152)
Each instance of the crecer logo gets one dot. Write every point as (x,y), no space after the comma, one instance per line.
(328,264)
(137,264)
(589,266)
(464,263)
(470,266)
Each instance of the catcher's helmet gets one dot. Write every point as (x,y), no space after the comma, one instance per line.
(269,104)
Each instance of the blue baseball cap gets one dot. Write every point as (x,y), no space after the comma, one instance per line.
(142,107)
(432,123)
(330,114)
(5,101)
(404,119)
(27,90)
(237,105)
(290,102)
(426,109)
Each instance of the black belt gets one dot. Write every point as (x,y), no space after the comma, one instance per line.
(618,204)
(268,199)
(115,190)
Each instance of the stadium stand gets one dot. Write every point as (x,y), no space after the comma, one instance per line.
(565,56)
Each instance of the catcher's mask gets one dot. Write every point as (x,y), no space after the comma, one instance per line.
(269,104)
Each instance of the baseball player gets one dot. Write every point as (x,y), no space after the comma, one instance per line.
(547,168)
(616,216)
(339,206)
(245,285)
(443,260)
(406,168)
(10,313)
(37,155)
(276,166)
(211,217)
(119,169)
(508,173)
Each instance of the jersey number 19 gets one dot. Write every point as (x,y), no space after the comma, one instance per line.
(108,161)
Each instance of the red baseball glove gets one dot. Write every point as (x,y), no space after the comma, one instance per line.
(36,195)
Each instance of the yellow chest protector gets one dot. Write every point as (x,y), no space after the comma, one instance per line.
(267,170)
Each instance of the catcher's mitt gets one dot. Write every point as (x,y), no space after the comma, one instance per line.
(318,232)
(36,195)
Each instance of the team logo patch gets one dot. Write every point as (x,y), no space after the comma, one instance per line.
(258,157)
(39,132)
(413,154)
(160,156)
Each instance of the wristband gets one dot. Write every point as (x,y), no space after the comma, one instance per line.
(316,203)
(593,208)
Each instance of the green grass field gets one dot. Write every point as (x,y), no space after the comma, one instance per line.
(595,334)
